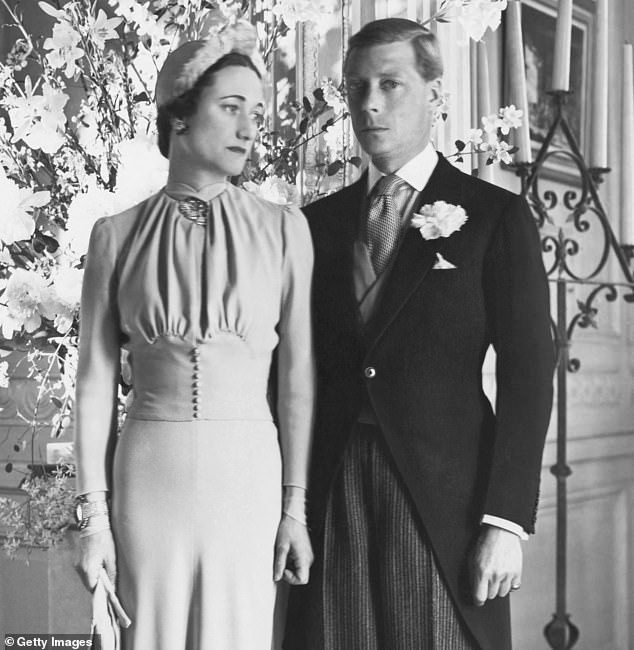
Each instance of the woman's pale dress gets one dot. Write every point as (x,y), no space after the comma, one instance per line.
(196,473)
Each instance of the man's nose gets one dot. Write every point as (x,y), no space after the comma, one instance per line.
(371,101)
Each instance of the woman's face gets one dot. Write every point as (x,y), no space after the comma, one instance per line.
(221,132)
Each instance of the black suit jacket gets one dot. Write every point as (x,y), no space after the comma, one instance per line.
(426,343)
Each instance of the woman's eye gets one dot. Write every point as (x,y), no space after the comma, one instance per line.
(231,108)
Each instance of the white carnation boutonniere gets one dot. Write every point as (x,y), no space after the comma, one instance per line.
(439,219)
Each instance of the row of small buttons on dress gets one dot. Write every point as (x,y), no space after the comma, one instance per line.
(369,373)
(196,381)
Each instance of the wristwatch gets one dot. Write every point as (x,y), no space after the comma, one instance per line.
(85,509)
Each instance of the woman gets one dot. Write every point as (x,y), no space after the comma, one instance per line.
(201,283)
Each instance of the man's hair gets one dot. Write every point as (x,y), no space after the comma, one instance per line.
(398,30)
(186,104)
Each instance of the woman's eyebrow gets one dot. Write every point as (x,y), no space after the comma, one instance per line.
(242,98)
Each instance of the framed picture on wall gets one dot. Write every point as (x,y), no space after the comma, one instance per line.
(539,18)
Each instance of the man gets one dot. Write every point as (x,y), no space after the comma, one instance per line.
(419,493)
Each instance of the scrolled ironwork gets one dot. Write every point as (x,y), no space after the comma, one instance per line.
(585,209)
(550,244)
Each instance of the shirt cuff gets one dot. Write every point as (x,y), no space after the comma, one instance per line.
(506,525)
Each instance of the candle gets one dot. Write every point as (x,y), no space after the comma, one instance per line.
(473,68)
(484,106)
(517,78)
(563,36)
(599,135)
(627,140)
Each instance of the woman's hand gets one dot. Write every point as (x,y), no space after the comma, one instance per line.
(293,552)
(95,551)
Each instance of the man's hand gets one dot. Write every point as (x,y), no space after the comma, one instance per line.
(293,552)
(496,564)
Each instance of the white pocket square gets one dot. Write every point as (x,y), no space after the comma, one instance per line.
(442,264)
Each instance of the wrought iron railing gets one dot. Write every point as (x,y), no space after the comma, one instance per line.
(585,212)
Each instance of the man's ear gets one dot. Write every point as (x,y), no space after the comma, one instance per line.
(435,92)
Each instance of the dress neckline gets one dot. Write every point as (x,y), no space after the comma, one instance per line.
(179,191)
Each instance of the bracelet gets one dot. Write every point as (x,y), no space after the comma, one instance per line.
(94,525)
(85,510)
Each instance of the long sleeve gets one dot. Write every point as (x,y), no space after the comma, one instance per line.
(296,366)
(98,366)
(519,316)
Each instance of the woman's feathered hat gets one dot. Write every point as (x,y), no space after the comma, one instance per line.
(186,64)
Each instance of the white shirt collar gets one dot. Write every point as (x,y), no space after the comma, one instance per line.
(415,172)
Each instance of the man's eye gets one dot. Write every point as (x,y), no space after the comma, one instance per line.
(389,84)
(258,118)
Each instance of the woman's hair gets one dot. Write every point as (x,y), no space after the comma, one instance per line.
(186,104)
(394,30)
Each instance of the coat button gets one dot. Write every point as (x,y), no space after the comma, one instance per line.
(369,372)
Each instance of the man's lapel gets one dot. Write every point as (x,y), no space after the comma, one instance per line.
(351,200)
(416,256)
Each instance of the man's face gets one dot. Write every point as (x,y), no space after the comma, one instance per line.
(390,103)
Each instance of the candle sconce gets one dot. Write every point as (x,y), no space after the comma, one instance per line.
(585,209)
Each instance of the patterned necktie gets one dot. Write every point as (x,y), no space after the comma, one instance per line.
(384,222)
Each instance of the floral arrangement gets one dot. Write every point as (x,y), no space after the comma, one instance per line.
(77,142)
(43,517)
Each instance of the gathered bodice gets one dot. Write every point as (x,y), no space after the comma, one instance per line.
(201,306)
(180,279)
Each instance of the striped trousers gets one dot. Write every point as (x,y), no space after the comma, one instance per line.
(381,588)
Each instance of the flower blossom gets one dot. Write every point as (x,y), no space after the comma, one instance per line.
(334,138)
(18,55)
(491,123)
(65,296)
(440,219)
(16,224)
(39,120)
(88,134)
(63,48)
(441,107)
(299,11)
(474,137)
(274,189)
(473,16)
(333,97)
(23,303)
(144,69)
(501,152)
(135,13)
(83,211)
(103,28)
(142,171)
(511,118)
